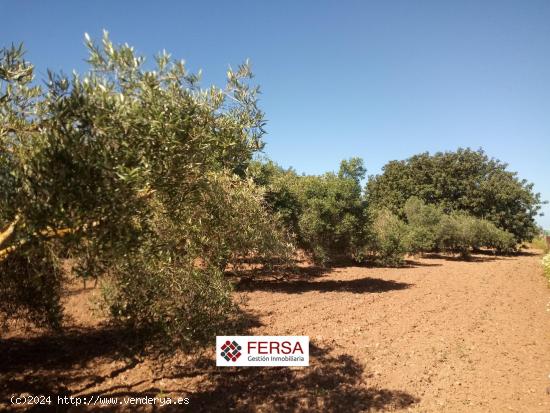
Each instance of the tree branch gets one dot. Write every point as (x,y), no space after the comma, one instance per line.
(5,234)
(45,233)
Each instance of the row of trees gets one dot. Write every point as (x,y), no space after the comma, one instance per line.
(140,177)
(334,218)
(427,228)
(465,180)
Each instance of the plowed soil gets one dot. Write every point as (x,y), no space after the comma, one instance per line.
(440,335)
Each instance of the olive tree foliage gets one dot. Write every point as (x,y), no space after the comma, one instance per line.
(423,225)
(461,232)
(464,180)
(325,212)
(234,222)
(387,238)
(137,173)
(429,229)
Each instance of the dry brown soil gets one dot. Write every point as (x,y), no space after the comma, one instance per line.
(441,335)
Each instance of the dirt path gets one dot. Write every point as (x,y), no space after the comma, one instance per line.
(439,336)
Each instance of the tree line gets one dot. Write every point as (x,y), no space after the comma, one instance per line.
(133,174)
(334,217)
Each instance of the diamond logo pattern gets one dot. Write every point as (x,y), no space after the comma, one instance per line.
(231,350)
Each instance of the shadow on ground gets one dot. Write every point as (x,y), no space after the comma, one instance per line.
(329,384)
(479,256)
(411,263)
(49,364)
(75,361)
(67,365)
(487,257)
(358,286)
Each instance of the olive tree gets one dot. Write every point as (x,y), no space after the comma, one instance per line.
(326,212)
(122,168)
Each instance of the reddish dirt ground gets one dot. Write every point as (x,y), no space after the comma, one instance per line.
(441,335)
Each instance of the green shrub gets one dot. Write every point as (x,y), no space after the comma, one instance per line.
(388,238)
(30,286)
(460,232)
(326,212)
(487,235)
(423,223)
(331,220)
(168,298)
(174,284)
(231,221)
(429,228)
(455,233)
(281,195)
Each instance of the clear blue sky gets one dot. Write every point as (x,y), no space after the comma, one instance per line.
(380,80)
